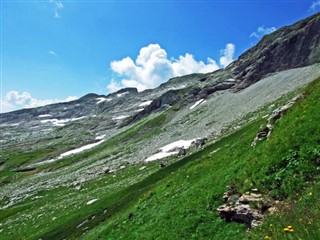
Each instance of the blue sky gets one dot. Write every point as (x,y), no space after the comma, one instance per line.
(58,50)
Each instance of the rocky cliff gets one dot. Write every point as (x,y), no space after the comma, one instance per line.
(290,47)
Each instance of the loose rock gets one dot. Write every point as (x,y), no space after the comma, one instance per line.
(248,208)
(277,114)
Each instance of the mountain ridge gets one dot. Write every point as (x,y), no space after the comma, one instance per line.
(114,165)
(240,69)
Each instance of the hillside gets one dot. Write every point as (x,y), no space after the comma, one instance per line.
(156,164)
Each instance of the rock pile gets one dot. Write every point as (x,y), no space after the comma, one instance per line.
(249,208)
(276,114)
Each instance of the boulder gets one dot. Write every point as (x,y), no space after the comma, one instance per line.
(162,165)
(182,152)
(248,208)
(199,142)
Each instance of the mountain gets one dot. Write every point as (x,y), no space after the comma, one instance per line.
(80,168)
(290,47)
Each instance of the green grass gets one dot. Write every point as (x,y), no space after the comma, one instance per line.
(182,204)
(180,201)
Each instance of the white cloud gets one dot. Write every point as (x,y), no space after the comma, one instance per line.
(315,5)
(113,86)
(57,6)
(262,30)
(152,67)
(53,53)
(227,53)
(14,100)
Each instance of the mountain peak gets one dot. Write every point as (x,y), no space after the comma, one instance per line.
(128,89)
(293,46)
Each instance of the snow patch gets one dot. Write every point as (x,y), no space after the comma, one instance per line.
(122,94)
(139,110)
(231,80)
(119,117)
(178,144)
(80,149)
(160,155)
(76,119)
(91,201)
(100,137)
(61,122)
(71,152)
(146,103)
(196,104)
(56,122)
(44,115)
(102,99)
(170,149)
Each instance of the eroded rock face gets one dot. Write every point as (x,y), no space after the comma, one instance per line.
(292,46)
(248,208)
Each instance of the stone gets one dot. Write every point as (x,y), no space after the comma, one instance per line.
(276,115)
(182,152)
(248,208)
(199,142)
(162,165)
(252,197)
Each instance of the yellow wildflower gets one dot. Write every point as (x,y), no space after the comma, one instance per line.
(288,229)
(267,237)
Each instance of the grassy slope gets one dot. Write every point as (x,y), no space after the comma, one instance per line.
(179,202)
(182,205)
(65,207)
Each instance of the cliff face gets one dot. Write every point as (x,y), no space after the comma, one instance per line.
(290,47)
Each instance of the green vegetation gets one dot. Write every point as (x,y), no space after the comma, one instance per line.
(180,201)
(182,205)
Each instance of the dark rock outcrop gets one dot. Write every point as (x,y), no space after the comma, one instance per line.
(182,152)
(220,86)
(127,90)
(199,142)
(167,99)
(162,165)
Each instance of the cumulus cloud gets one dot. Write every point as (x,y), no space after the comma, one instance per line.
(152,67)
(57,6)
(227,53)
(14,100)
(262,30)
(315,5)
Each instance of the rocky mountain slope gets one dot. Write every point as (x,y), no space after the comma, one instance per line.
(96,147)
